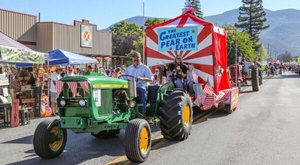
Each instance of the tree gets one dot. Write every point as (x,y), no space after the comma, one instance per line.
(261,54)
(123,37)
(285,57)
(153,21)
(196,5)
(139,43)
(252,19)
(244,45)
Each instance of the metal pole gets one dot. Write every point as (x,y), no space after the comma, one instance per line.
(236,59)
(48,76)
(144,60)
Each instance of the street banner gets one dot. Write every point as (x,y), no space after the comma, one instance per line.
(14,117)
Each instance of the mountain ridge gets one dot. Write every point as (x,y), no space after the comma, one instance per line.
(283,34)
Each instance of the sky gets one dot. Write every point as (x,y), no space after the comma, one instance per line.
(104,13)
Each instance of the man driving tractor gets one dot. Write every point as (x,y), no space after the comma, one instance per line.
(144,77)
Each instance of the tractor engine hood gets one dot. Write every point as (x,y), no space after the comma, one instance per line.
(98,81)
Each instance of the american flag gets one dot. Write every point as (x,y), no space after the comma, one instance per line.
(73,87)
(209,90)
(85,86)
(210,100)
(59,87)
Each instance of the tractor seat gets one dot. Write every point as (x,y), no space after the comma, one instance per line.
(152,93)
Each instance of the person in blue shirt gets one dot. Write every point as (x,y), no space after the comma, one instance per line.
(192,78)
(144,77)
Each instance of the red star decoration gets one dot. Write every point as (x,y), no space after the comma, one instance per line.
(86,36)
(193,31)
(170,48)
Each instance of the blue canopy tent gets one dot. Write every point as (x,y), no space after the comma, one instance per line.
(64,58)
(61,57)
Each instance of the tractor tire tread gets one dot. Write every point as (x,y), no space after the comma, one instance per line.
(41,139)
(170,114)
(132,139)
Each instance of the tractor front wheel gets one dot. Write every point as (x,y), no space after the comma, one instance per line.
(176,115)
(49,139)
(138,140)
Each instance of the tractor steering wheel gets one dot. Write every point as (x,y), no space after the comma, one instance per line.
(125,77)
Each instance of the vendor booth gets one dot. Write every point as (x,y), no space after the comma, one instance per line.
(56,57)
(18,93)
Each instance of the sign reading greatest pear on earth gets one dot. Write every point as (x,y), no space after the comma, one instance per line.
(177,39)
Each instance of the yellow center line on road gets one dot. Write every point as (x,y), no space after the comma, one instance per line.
(122,160)
(117,160)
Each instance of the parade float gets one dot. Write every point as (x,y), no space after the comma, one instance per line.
(200,43)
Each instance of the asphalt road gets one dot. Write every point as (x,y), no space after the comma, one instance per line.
(265,129)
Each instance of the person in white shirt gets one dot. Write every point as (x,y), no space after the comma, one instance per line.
(70,72)
(54,79)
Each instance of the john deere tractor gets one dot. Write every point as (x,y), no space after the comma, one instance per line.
(102,105)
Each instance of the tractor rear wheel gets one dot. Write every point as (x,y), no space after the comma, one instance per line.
(106,134)
(49,139)
(138,140)
(255,79)
(176,115)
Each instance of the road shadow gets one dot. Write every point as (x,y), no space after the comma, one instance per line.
(157,144)
(290,76)
(77,150)
(243,92)
(275,77)
(200,116)
(218,114)
(23,140)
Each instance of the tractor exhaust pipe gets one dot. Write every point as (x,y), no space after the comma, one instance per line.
(132,88)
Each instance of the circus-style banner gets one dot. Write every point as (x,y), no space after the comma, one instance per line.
(197,42)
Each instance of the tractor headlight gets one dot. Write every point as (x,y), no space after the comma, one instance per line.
(82,102)
(62,103)
(132,104)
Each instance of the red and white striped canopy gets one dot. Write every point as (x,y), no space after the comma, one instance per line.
(203,57)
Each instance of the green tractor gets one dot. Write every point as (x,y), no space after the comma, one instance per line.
(102,105)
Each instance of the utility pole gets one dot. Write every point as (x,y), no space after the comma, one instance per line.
(144,60)
(236,58)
